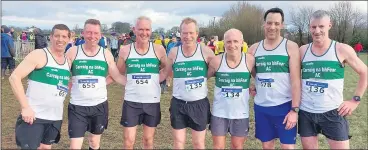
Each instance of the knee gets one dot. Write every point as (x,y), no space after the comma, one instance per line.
(236,146)
(179,143)
(128,142)
(43,146)
(269,145)
(94,143)
(218,146)
(287,146)
(198,145)
(148,140)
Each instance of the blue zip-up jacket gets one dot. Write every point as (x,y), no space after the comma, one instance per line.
(5,41)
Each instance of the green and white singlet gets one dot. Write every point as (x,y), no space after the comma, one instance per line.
(231,96)
(322,81)
(272,75)
(190,76)
(143,83)
(47,88)
(89,78)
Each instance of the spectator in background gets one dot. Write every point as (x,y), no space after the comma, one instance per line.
(24,37)
(211,44)
(178,39)
(114,45)
(28,35)
(2,28)
(132,36)
(12,32)
(79,41)
(71,41)
(166,83)
(358,48)
(7,52)
(120,41)
(102,42)
(40,39)
(128,39)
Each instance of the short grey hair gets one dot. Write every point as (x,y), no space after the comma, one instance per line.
(320,14)
(142,18)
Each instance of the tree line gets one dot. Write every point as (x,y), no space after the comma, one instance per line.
(349,24)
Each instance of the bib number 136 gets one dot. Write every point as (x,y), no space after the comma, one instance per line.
(316,87)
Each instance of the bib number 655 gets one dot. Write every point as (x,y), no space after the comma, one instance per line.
(88,85)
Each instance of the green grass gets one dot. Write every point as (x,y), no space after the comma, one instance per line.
(113,137)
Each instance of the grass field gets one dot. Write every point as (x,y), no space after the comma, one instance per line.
(113,137)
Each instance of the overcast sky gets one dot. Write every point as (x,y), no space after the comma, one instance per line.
(166,14)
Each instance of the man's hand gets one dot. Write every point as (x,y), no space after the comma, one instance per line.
(347,107)
(28,115)
(252,90)
(290,119)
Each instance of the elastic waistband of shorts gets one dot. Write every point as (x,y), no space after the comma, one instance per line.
(190,102)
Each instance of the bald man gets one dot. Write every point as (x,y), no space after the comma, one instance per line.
(231,96)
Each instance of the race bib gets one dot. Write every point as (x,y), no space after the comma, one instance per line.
(193,84)
(232,92)
(62,90)
(87,83)
(266,83)
(316,88)
(141,79)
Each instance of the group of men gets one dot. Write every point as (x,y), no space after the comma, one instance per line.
(286,78)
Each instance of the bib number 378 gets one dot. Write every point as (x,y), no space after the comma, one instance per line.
(266,83)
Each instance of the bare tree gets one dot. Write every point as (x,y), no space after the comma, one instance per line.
(243,16)
(300,22)
(342,16)
(358,21)
(104,28)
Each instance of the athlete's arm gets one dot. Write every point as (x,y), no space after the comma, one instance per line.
(213,66)
(251,51)
(207,53)
(349,57)
(294,68)
(170,61)
(250,61)
(113,70)
(161,55)
(302,50)
(35,59)
(70,56)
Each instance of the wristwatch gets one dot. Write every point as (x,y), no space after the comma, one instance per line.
(356,98)
(295,109)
